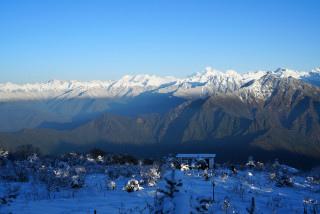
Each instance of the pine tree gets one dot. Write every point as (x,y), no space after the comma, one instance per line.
(172,185)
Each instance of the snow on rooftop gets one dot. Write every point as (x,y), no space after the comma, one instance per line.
(196,155)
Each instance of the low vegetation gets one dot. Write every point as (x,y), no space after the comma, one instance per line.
(98,181)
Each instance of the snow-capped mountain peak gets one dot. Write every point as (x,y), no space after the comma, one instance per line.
(232,73)
(199,85)
(315,71)
(284,72)
(208,74)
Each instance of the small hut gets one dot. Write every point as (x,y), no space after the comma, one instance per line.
(189,158)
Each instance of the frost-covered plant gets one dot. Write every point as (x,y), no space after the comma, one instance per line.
(152,183)
(284,180)
(185,167)
(90,159)
(226,203)
(80,170)
(111,185)
(57,179)
(251,163)
(153,175)
(132,186)
(201,163)
(276,165)
(206,175)
(73,159)
(155,172)
(311,204)
(149,175)
(281,174)
(3,157)
(77,181)
(201,204)
(314,176)
(24,151)
(260,166)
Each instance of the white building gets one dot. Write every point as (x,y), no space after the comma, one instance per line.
(189,158)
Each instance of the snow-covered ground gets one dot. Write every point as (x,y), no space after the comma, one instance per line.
(260,189)
(93,196)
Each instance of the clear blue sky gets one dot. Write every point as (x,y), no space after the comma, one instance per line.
(104,40)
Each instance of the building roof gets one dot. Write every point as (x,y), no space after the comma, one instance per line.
(196,155)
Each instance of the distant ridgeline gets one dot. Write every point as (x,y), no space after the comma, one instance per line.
(267,114)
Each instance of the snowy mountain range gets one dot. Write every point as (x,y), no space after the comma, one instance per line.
(62,104)
(198,85)
(264,113)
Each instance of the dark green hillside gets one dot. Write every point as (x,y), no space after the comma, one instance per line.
(233,124)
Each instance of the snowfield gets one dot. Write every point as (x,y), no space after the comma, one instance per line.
(77,183)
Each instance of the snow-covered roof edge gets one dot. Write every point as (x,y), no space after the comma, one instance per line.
(196,155)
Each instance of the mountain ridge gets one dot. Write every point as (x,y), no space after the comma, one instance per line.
(68,104)
(131,86)
(285,117)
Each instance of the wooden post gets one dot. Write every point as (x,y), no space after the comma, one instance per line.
(213,184)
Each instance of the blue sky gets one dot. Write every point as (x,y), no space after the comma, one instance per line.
(104,40)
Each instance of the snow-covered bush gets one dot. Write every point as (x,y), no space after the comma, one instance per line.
(77,181)
(150,175)
(132,186)
(111,185)
(3,157)
(311,205)
(72,159)
(152,183)
(284,179)
(57,179)
(201,204)
(80,170)
(259,166)
(206,175)
(251,163)
(282,175)
(185,167)
(24,151)
(200,163)
(314,176)
(155,172)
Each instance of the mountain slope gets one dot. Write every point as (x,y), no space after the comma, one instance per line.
(69,104)
(265,116)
